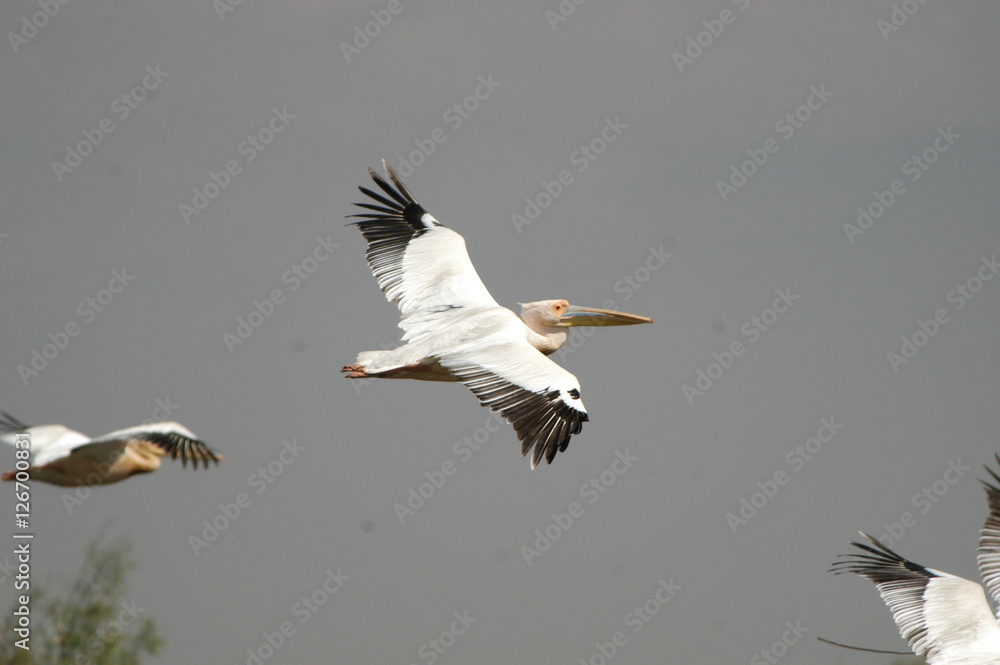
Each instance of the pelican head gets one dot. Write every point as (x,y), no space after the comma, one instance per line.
(560,314)
(550,319)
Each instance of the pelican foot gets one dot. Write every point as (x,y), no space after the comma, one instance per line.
(354,371)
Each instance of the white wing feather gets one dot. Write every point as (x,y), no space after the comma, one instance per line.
(421,265)
(47,442)
(989,539)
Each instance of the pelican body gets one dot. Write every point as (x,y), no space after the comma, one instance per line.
(454,330)
(67,458)
(946,619)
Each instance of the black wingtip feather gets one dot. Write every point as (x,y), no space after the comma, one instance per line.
(179,446)
(12,424)
(398,195)
(990,487)
(397,216)
(881,564)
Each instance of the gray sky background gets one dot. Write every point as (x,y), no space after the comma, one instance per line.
(888,97)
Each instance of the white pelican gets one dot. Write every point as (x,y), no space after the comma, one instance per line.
(455,331)
(67,458)
(946,619)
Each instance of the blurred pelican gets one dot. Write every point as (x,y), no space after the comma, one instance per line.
(67,458)
(455,331)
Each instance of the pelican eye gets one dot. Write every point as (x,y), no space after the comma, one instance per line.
(574,393)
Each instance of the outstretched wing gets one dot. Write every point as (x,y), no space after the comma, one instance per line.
(175,440)
(47,443)
(421,265)
(941,616)
(535,395)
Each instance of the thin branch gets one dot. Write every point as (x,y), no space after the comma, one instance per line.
(847,646)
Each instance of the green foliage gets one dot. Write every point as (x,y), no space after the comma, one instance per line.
(91,624)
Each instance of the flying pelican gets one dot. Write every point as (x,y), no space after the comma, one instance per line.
(946,619)
(67,458)
(455,331)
